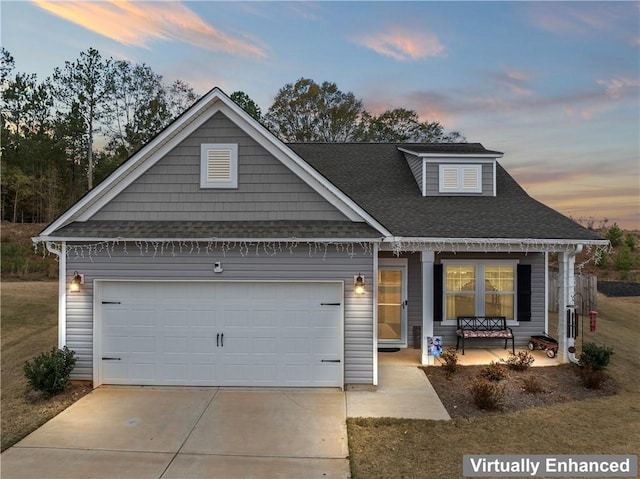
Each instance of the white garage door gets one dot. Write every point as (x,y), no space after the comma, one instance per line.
(220,334)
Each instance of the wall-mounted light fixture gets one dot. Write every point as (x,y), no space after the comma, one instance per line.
(77,280)
(358,284)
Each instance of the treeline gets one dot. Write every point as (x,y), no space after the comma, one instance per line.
(63,134)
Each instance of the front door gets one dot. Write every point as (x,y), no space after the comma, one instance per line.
(392,302)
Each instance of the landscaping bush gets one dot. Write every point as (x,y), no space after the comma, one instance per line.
(487,395)
(493,372)
(592,379)
(594,357)
(450,358)
(520,361)
(531,385)
(49,372)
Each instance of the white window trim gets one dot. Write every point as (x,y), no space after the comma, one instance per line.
(480,291)
(460,183)
(233,167)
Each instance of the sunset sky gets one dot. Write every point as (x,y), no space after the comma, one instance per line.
(554,85)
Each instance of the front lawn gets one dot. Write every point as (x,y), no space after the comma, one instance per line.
(29,325)
(390,448)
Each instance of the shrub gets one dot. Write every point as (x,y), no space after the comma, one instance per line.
(532,385)
(594,357)
(520,361)
(592,379)
(450,358)
(630,241)
(493,372)
(487,395)
(615,235)
(49,372)
(624,259)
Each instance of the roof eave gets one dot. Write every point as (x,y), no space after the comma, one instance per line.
(488,154)
(492,244)
(102,239)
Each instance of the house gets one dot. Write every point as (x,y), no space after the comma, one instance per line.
(219,256)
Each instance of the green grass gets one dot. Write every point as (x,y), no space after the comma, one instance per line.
(389,448)
(29,327)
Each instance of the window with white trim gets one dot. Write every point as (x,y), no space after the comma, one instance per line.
(218,165)
(479,288)
(460,178)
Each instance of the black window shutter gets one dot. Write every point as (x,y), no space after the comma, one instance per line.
(437,292)
(524,292)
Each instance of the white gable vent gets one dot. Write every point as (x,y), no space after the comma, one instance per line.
(460,179)
(219,165)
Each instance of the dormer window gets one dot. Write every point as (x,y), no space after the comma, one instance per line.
(218,165)
(460,178)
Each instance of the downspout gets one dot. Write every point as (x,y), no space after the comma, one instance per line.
(62,290)
(571,295)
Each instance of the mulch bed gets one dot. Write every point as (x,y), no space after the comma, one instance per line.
(618,288)
(559,384)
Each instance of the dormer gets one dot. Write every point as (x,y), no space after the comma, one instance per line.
(452,169)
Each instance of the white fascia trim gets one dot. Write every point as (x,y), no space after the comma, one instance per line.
(470,156)
(55,239)
(494,244)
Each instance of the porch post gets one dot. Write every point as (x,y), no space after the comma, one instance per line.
(427,258)
(566,295)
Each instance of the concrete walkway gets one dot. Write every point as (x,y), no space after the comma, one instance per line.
(181,433)
(403,391)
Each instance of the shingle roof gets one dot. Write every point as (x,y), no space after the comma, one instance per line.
(377,177)
(220,229)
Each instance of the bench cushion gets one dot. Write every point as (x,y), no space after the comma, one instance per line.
(469,333)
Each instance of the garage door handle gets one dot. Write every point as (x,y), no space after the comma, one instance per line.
(218,340)
(111,359)
(111,302)
(329,360)
(329,304)
(222,340)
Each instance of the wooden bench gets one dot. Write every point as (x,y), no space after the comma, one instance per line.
(482,327)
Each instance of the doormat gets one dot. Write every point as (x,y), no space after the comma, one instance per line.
(388,350)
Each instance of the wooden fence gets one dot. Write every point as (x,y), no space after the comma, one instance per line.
(586,298)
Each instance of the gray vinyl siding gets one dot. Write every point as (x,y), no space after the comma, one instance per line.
(433,187)
(415,164)
(170,189)
(303,264)
(524,329)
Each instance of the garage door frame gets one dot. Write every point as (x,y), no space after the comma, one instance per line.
(97,316)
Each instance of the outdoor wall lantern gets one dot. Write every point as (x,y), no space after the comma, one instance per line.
(358,284)
(77,280)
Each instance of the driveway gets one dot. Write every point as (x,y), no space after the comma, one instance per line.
(178,433)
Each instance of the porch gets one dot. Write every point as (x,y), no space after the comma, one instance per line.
(472,356)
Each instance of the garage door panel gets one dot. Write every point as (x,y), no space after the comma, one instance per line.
(275,334)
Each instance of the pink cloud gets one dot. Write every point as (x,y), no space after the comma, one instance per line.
(402,45)
(619,87)
(140,23)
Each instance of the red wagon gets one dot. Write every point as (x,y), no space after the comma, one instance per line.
(543,341)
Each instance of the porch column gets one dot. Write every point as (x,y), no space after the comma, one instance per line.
(427,258)
(566,297)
